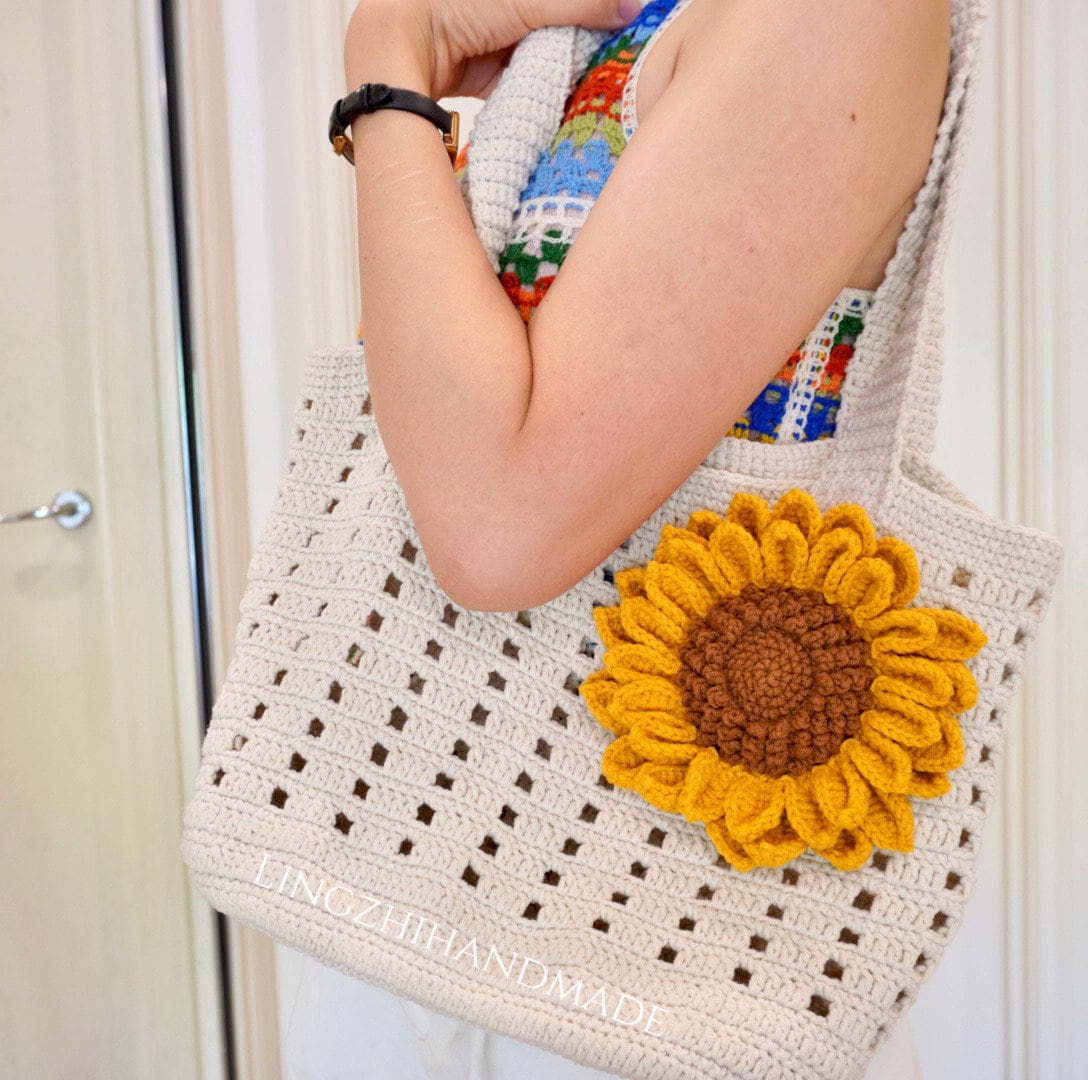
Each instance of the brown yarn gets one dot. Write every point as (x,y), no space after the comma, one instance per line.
(775,678)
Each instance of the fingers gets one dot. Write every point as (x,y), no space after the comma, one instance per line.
(594,14)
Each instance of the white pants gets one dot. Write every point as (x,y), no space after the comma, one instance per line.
(340,1028)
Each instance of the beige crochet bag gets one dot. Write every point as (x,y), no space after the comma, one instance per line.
(715,811)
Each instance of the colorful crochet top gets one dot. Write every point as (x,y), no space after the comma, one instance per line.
(801,402)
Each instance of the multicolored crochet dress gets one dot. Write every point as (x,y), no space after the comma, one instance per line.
(801,402)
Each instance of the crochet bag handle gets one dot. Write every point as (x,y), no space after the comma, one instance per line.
(888,417)
(890,397)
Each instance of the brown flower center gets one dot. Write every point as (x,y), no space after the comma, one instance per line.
(776,679)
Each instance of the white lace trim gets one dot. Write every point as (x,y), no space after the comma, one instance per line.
(815,351)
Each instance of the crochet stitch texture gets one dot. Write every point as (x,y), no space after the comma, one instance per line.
(412,792)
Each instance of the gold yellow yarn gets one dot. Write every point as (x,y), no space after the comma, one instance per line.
(721,572)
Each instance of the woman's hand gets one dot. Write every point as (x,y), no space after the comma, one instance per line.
(464,45)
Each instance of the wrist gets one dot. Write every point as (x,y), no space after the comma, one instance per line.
(388,45)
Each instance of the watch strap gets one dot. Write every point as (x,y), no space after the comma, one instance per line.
(373,96)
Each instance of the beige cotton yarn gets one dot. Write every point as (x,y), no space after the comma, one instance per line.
(412,792)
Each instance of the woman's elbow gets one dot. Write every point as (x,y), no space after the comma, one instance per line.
(488,580)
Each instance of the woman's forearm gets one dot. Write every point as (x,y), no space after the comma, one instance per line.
(447,353)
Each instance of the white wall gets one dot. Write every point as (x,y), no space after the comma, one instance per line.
(1005,1000)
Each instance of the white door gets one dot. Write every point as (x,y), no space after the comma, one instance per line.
(108,963)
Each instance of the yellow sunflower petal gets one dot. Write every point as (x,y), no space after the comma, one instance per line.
(660,784)
(610,625)
(620,764)
(890,822)
(865,590)
(918,729)
(708,779)
(785,553)
(664,725)
(654,744)
(806,817)
(928,785)
(887,694)
(883,763)
(841,791)
(750,512)
(671,532)
(679,595)
(776,846)
(957,637)
(627,663)
(753,805)
(598,689)
(644,622)
(945,754)
(692,554)
(653,695)
(801,508)
(899,555)
(902,630)
(630,582)
(852,517)
(915,677)
(850,852)
(831,555)
(727,847)
(704,522)
(964,687)
(737,554)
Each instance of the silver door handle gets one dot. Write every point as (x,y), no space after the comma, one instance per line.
(68,508)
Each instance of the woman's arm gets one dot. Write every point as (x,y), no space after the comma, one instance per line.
(787,138)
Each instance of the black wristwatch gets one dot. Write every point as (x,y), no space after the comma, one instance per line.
(373,96)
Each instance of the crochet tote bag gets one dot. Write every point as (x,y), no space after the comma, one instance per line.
(713,812)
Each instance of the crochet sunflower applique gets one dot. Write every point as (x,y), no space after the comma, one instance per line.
(764,676)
